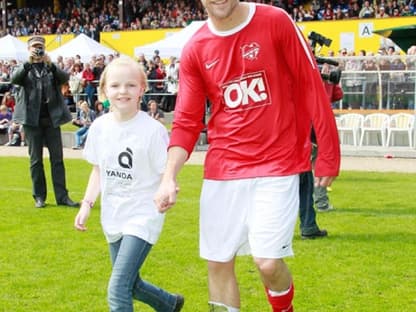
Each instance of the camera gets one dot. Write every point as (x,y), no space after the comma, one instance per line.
(316,38)
(334,76)
(39,52)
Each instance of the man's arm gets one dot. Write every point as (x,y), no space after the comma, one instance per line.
(19,74)
(165,197)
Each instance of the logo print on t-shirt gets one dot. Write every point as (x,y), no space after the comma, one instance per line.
(247,92)
(211,64)
(125,159)
(250,51)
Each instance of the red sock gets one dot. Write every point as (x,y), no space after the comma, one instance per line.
(282,303)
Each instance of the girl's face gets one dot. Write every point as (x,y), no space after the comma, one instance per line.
(123,88)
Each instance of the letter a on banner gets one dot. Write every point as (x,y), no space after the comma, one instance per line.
(366,30)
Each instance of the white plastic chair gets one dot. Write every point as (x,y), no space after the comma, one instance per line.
(401,123)
(375,123)
(350,123)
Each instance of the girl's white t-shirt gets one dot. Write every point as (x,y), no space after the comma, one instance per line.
(131,156)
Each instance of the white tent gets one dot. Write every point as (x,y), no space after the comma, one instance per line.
(172,45)
(12,48)
(83,46)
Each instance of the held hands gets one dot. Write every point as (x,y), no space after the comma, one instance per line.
(165,197)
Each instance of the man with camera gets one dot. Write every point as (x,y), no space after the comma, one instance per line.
(308,192)
(41,109)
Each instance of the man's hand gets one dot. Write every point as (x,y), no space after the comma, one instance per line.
(27,66)
(324,181)
(47,59)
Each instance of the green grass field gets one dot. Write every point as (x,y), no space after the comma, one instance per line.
(366,264)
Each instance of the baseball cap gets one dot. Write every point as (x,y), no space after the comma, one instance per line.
(36,40)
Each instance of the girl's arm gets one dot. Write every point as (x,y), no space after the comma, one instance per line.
(91,194)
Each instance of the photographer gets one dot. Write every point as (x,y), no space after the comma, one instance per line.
(308,192)
(40,108)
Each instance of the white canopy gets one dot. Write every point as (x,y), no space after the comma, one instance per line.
(12,48)
(172,45)
(83,46)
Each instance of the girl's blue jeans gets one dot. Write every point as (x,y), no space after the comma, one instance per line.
(127,256)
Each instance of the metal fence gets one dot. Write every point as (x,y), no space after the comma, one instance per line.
(377,82)
(378,90)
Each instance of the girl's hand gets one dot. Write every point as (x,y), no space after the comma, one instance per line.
(82,217)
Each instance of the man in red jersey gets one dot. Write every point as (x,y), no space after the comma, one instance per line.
(265,89)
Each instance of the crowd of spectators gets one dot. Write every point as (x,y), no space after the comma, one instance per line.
(366,73)
(360,75)
(80,93)
(84,77)
(93,16)
(318,10)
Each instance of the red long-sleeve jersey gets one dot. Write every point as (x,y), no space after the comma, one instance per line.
(265,92)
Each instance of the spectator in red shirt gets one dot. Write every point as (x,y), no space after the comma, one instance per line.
(9,101)
(89,84)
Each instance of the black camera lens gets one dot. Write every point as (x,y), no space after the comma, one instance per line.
(320,39)
(39,52)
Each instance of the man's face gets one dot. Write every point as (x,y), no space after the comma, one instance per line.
(37,51)
(220,9)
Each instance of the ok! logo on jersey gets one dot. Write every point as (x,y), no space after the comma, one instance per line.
(247,92)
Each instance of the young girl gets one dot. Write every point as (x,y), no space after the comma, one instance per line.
(128,151)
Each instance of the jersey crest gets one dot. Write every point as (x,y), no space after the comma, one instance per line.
(250,51)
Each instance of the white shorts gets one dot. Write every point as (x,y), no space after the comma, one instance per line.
(248,216)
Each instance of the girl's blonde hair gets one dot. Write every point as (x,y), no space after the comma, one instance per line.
(118,62)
